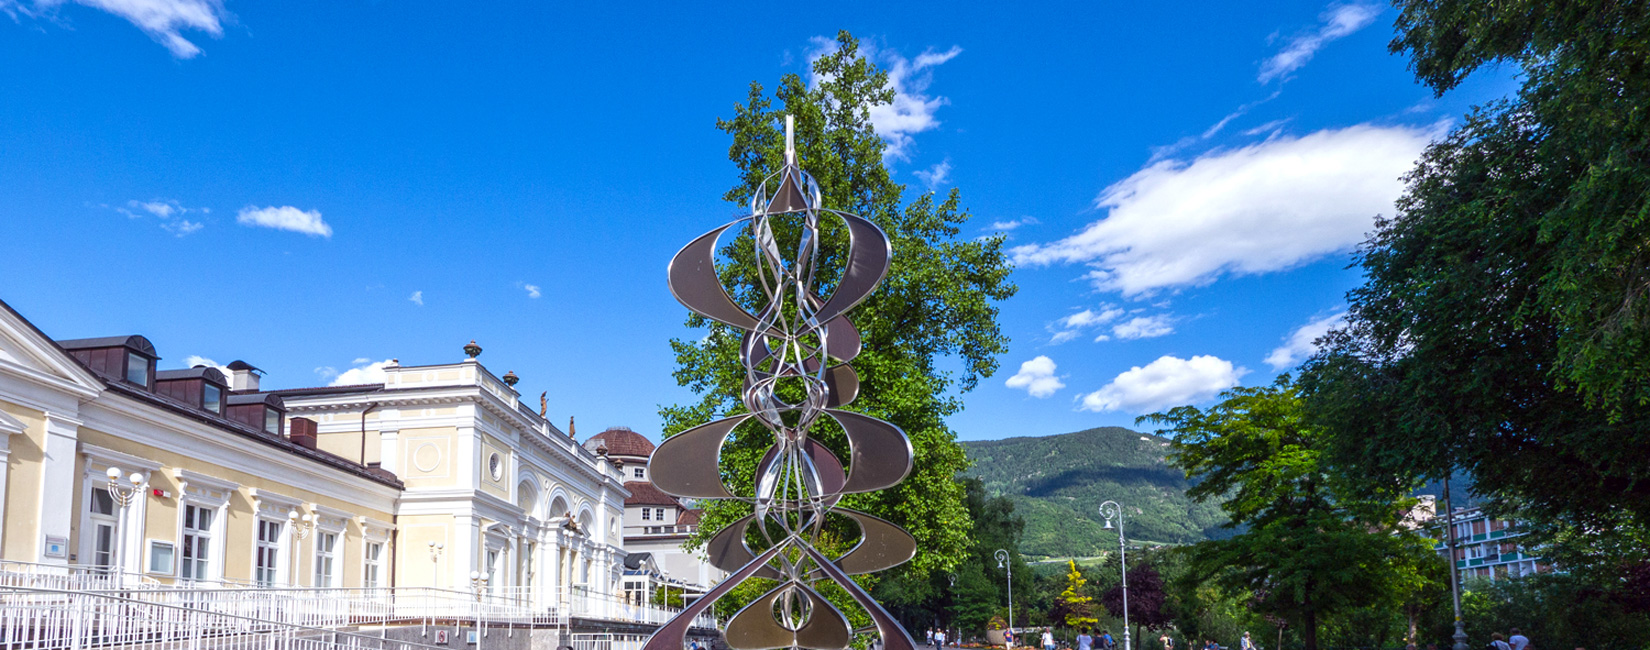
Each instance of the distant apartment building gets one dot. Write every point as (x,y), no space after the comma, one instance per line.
(1486,547)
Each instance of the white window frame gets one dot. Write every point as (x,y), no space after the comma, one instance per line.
(276,548)
(94,521)
(272,506)
(210,493)
(328,520)
(331,556)
(374,531)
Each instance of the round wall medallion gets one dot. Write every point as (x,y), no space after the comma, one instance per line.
(495,466)
(426,457)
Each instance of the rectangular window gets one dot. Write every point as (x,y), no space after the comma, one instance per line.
(213,399)
(137,369)
(272,421)
(638,472)
(375,553)
(324,545)
(101,506)
(647,514)
(659,513)
(268,552)
(197,542)
(160,557)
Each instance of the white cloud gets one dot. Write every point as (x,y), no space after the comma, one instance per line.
(1144,327)
(533,290)
(371,373)
(1301,343)
(158,208)
(1269,128)
(328,372)
(416,297)
(1036,377)
(1168,381)
(1337,21)
(1073,325)
(182,227)
(912,110)
(937,175)
(285,218)
(167,211)
(197,360)
(160,19)
(1012,224)
(1265,207)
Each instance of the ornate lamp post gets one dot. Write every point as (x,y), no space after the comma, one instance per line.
(1110,510)
(478,583)
(435,558)
(300,527)
(124,496)
(1460,635)
(1003,563)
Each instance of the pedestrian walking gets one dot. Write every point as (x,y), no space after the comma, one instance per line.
(1518,641)
(930,636)
(1084,641)
(1048,638)
(1167,641)
(1498,642)
(939,638)
(1246,643)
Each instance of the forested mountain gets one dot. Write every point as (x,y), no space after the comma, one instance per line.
(1058,482)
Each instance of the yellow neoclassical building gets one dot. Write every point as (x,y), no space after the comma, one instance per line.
(113,464)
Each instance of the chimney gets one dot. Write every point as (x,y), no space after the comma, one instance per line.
(242,376)
(302,431)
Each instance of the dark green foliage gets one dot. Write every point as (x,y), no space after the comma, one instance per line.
(1058,482)
(938,301)
(1504,326)
(980,590)
(1312,546)
(1554,610)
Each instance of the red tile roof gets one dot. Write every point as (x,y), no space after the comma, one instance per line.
(620,442)
(689,517)
(642,493)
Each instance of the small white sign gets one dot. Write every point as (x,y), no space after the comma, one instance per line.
(57,546)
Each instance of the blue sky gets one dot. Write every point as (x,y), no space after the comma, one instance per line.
(316,187)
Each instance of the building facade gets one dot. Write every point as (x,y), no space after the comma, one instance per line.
(112,465)
(1486,547)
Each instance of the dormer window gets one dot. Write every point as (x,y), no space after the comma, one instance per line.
(272,421)
(137,369)
(212,400)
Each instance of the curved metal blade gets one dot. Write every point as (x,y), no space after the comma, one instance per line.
(692,469)
(694,282)
(843,340)
(882,545)
(844,384)
(880,455)
(727,550)
(831,475)
(893,636)
(673,634)
(755,628)
(868,256)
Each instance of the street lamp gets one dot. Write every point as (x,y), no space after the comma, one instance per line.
(435,558)
(300,531)
(1460,635)
(125,496)
(1003,563)
(478,582)
(1111,510)
(665,573)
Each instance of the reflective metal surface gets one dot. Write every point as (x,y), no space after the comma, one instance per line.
(795,350)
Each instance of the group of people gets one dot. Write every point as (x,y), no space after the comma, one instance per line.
(1084,641)
(938,637)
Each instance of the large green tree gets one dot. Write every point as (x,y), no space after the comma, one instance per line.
(1307,541)
(938,302)
(1504,321)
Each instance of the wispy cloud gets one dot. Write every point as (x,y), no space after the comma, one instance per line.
(168,212)
(197,360)
(1168,381)
(913,109)
(1302,342)
(1336,22)
(1074,325)
(532,290)
(162,20)
(287,218)
(1006,226)
(364,372)
(1144,327)
(937,175)
(1036,377)
(417,297)
(1265,207)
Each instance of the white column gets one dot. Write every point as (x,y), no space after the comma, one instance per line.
(5,465)
(57,508)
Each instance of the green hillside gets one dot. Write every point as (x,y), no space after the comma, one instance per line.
(1058,482)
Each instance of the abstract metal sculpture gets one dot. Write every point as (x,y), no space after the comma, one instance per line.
(803,339)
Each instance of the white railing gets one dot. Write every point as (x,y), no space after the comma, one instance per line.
(606,641)
(580,604)
(68,577)
(54,619)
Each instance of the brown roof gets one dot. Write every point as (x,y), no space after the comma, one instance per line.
(620,442)
(642,493)
(689,517)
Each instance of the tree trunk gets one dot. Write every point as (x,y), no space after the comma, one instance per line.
(1309,630)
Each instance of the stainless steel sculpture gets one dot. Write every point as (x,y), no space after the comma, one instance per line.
(797,336)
